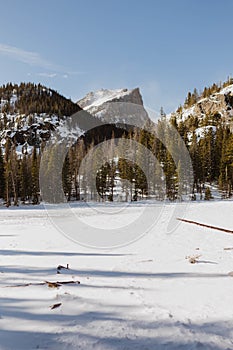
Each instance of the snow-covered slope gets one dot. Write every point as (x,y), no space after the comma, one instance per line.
(102,104)
(143,296)
(226,90)
(30,113)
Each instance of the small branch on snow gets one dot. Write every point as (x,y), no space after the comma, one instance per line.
(60,267)
(49,284)
(55,306)
(193,259)
(204,225)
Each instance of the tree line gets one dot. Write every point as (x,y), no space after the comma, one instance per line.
(195,96)
(118,177)
(29,98)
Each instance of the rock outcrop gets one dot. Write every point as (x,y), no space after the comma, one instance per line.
(219,104)
(121,106)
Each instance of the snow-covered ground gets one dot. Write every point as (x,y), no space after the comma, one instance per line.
(146,295)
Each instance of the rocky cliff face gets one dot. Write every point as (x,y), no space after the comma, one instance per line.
(219,104)
(116,106)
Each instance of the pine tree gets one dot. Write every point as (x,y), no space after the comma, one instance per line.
(2,175)
(35,177)
(25,179)
(226,172)
(7,173)
(67,176)
(13,164)
(208,194)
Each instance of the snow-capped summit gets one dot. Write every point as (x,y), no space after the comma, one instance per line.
(102,105)
(99,97)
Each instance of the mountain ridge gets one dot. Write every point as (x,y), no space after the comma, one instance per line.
(119,106)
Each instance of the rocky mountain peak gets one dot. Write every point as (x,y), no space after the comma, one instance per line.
(102,104)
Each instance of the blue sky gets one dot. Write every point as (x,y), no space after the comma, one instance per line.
(166,47)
